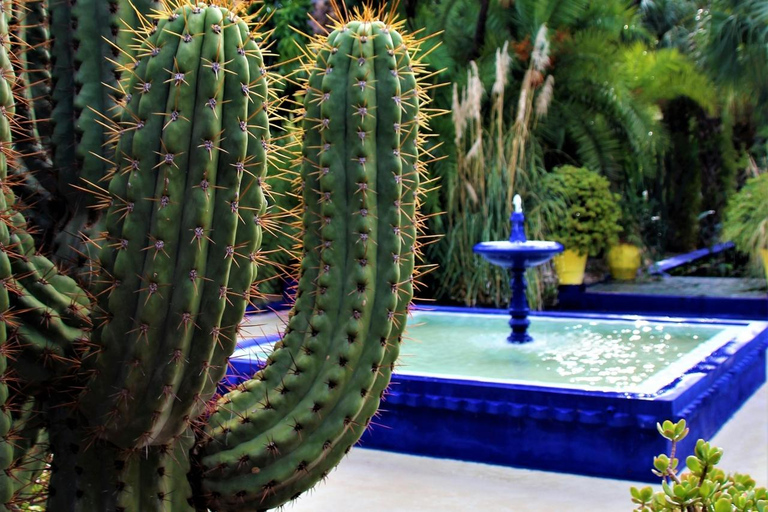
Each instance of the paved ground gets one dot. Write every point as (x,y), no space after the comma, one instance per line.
(690,286)
(377,481)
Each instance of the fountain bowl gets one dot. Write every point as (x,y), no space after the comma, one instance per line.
(525,254)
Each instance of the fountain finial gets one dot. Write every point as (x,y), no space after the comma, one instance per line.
(518,221)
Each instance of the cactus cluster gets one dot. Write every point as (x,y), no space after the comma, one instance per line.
(135,139)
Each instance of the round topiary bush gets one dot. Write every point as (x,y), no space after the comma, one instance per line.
(746,218)
(591,224)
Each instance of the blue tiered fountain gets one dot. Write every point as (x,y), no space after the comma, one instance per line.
(518,254)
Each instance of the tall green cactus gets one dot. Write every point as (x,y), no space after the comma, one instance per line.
(279,433)
(122,367)
(89,52)
(196,112)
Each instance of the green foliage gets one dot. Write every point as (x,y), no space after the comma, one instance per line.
(665,74)
(615,69)
(733,41)
(746,217)
(669,21)
(703,488)
(598,118)
(591,223)
(598,113)
(288,21)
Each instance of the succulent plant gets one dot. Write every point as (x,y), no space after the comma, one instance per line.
(7,319)
(159,136)
(704,487)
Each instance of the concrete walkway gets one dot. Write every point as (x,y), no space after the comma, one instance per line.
(376,481)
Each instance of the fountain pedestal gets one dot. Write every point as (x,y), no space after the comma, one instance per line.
(518,308)
(518,254)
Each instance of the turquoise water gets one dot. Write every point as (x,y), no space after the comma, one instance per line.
(633,356)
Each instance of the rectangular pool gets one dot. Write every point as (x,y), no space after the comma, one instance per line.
(584,397)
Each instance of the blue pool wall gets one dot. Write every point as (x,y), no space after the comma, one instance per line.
(581,298)
(604,434)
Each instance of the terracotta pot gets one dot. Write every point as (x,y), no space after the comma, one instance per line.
(570,266)
(624,261)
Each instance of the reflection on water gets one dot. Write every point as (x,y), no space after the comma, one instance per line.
(605,354)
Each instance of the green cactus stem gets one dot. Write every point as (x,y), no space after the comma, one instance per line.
(196,108)
(248,238)
(113,374)
(34,180)
(31,453)
(33,84)
(94,476)
(276,435)
(80,36)
(7,320)
(52,313)
(91,43)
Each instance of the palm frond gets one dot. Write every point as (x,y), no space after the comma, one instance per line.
(665,74)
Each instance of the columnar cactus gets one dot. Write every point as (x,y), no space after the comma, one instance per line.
(89,53)
(279,433)
(32,83)
(115,375)
(187,179)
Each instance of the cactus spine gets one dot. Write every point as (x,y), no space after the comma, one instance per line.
(120,369)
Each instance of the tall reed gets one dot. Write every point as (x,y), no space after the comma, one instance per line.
(496,157)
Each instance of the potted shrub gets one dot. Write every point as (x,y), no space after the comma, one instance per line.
(591,223)
(746,220)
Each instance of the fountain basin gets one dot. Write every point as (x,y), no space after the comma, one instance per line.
(594,427)
(525,254)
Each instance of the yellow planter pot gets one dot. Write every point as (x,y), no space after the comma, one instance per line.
(624,261)
(764,253)
(570,266)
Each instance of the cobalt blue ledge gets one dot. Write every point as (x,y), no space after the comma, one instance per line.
(603,434)
(663,266)
(580,298)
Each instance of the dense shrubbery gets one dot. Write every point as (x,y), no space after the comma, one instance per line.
(591,223)
(746,219)
(663,98)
